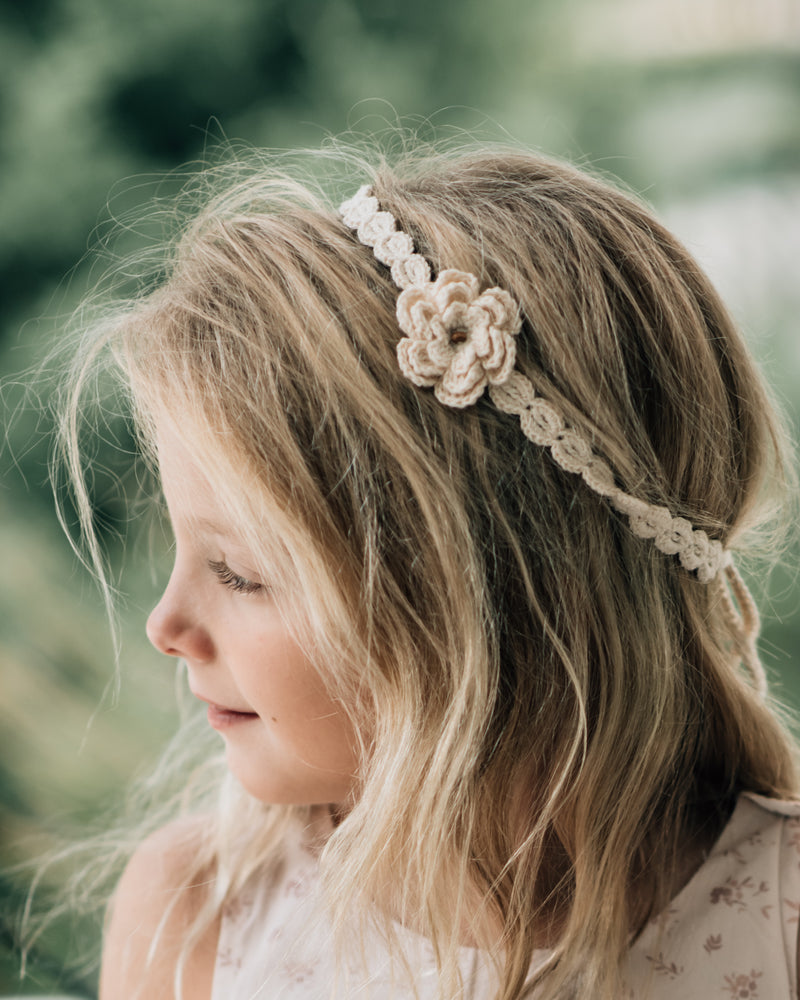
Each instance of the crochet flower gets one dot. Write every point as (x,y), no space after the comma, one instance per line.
(458,341)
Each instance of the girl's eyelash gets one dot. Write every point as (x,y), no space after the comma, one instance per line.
(226,576)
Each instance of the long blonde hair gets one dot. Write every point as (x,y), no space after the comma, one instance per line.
(550,708)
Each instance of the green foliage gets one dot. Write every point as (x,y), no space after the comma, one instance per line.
(98,98)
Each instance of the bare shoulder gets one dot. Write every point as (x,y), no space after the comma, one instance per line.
(156,900)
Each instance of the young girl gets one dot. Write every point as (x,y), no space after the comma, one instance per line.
(457,475)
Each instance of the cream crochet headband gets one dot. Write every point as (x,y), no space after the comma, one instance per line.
(461,341)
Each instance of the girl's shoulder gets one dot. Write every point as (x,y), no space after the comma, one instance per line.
(155,905)
(733,928)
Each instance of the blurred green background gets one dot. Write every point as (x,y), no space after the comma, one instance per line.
(693,103)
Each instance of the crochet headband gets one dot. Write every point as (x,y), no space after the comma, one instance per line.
(460,341)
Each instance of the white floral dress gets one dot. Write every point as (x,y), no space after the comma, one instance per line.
(730,933)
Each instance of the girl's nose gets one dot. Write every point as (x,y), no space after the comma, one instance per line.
(173,631)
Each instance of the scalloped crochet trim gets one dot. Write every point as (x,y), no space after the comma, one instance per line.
(460,341)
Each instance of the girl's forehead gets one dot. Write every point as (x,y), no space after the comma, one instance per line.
(188,490)
(177,464)
(201,497)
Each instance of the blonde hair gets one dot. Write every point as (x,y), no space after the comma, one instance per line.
(550,709)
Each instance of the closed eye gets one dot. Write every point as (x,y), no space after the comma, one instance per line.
(232,580)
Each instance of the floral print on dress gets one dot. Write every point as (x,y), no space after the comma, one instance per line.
(794,909)
(228,959)
(738,893)
(743,985)
(298,972)
(238,907)
(732,930)
(299,885)
(663,967)
(667,920)
(793,826)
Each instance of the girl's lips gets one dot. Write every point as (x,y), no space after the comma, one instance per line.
(223,718)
